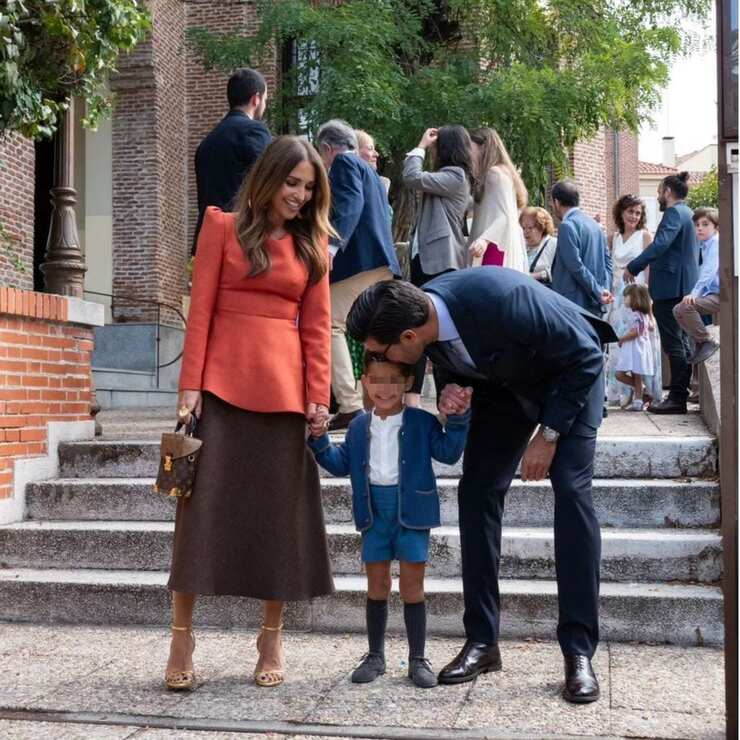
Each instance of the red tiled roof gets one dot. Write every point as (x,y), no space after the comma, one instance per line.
(649,168)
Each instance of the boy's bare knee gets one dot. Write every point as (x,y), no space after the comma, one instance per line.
(412,595)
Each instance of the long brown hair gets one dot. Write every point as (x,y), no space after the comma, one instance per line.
(310,229)
(493,154)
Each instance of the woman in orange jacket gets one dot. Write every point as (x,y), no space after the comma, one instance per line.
(255,367)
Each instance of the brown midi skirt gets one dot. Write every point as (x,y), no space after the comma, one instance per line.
(254,524)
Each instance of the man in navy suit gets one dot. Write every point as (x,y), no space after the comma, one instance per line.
(582,270)
(674,270)
(533,362)
(227,154)
(362,254)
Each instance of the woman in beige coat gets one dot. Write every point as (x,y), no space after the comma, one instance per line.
(495,235)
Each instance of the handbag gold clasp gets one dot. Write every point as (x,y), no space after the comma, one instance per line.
(168,463)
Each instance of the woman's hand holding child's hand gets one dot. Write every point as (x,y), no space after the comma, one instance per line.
(317,417)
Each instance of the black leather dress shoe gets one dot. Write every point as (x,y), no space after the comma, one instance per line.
(669,406)
(581,686)
(474,658)
(341,421)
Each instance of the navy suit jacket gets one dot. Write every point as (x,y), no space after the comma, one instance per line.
(672,257)
(583,266)
(224,157)
(528,339)
(359,214)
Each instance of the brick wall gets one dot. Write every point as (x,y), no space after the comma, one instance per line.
(165,104)
(44,374)
(206,90)
(626,179)
(16,211)
(134,177)
(588,164)
(172,247)
(149,170)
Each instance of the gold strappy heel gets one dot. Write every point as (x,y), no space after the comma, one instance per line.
(181,680)
(268,679)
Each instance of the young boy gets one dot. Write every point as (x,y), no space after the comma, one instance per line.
(704,298)
(388,455)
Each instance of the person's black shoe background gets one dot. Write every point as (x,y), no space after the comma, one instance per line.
(581,686)
(474,659)
(341,421)
(669,406)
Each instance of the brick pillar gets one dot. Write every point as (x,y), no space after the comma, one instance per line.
(622,169)
(206,90)
(588,164)
(149,169)
(17,160)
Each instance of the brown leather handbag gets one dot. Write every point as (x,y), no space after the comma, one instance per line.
(178,462)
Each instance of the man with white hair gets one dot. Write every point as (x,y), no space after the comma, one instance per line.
(362,254)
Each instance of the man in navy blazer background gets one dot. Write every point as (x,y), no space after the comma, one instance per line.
(674,270)
(533,362)
(362,254)
(226,155)
(582,269)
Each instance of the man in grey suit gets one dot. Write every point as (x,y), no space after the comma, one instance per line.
(674,270)
(582,269)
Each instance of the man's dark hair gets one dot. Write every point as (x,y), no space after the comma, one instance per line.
(385,310)
(566,193)
(243,85)
(678,184)
(371,357)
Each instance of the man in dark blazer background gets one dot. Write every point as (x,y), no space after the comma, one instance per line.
(362,254)
(227,154)
(674,270)
(582,268)
(533,362)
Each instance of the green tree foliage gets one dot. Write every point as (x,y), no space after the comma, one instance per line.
(545,73)
(51,50)
(706,193)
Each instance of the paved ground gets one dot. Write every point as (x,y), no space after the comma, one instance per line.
(113,676)
(150,423)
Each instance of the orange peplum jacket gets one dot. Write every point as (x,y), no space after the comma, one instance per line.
(259,343)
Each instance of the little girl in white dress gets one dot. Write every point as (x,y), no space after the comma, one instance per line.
(635,358)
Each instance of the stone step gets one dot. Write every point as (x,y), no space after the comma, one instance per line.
(107,378)
(629,612)
(123,398)
(616,457)
(619,503)
(527,552)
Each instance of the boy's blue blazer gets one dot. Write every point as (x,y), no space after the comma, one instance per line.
(421,438)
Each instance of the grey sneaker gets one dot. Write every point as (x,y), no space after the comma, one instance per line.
(421,673)
(371,666)
(703,352)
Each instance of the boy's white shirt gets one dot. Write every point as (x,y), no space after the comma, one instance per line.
(383,468)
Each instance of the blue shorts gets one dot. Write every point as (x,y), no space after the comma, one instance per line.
(388,539)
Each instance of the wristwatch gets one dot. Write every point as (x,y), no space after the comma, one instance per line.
(549,434)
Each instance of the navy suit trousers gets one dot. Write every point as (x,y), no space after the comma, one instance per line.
(676,345)
(499,434)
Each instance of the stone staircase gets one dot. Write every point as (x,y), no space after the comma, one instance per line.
(96,544)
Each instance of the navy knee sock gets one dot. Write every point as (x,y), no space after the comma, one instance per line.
(376,616)
(415,617)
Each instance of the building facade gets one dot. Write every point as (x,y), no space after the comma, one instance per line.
(135,181)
